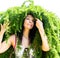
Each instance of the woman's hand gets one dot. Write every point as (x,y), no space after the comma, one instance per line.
(4,27)
(39,24)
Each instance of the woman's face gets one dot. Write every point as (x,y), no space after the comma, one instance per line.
(29,22)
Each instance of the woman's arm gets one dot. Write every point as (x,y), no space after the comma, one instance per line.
(39,25)
(6,44)
(2,32)
(45,46)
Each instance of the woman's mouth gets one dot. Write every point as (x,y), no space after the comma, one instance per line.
(30,25)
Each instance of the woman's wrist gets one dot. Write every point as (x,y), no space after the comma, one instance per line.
(41,30)
(2,32)
(42,33)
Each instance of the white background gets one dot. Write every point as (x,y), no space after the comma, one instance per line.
(51,5)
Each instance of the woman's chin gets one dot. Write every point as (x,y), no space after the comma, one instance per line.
(29,28)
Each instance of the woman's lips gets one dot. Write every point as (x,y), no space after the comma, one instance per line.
(30,25)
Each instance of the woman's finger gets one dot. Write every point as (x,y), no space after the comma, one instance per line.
(1,25)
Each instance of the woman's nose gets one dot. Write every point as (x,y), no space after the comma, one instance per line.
(30,21)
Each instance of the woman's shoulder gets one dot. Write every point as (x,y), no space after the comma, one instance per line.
(13,39)
(13,36)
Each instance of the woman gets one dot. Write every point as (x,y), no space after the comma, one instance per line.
(26,38)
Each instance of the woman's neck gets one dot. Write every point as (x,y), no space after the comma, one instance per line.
(26,33)
(25,38)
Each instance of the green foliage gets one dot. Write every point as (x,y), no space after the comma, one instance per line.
(15,16)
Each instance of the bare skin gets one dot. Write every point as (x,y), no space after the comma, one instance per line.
(28,24)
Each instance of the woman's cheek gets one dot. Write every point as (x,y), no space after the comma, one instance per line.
(26,24)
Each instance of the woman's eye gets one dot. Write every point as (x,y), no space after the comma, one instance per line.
(27,18)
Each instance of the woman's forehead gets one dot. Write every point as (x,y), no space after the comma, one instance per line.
(30,16)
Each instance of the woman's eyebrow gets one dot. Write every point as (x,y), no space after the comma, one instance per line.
(30,18)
